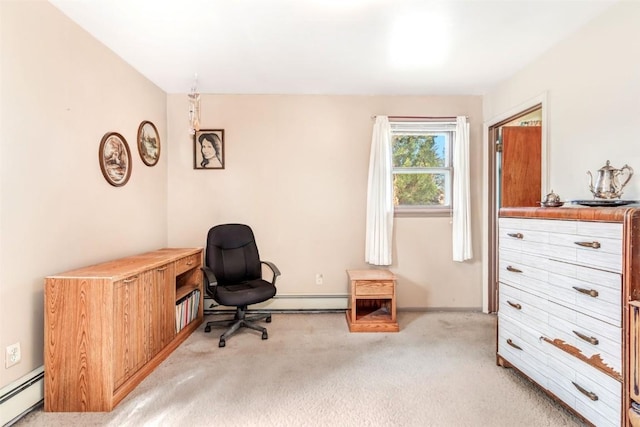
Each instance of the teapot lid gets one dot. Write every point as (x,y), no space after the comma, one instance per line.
(552,197)
(607,167)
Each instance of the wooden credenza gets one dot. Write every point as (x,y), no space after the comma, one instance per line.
(566,277)
(107,326)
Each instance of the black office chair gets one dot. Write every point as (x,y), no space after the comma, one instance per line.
(233,277)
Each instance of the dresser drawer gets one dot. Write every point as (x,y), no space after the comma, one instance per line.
(592,244)
(374,288)
(532,242)
(523,258)
(544,225)
(521,347)
(593,394)
(523,306)
(598,300)
(605,254)
(529,279)
(611,230)
(187,263)
(598,342)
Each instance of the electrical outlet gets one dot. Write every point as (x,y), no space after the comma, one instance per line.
(13,355)
(319,279)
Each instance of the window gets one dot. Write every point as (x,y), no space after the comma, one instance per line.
(422,166)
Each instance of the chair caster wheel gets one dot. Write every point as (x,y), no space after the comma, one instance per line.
(268,319)
(207,328)
(264,335)
(222,343)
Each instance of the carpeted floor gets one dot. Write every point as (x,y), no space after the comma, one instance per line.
(439,370)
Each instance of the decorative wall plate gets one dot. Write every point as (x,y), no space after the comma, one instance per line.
(148,143)
(115,159)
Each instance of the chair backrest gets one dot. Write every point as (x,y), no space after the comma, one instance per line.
(232,253)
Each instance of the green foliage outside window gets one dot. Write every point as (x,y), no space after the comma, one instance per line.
(417,189)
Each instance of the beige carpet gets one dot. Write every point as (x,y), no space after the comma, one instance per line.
(439,370)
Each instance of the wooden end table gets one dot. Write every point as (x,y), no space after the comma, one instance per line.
(372,301)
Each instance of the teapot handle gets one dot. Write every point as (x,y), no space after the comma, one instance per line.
(629,174)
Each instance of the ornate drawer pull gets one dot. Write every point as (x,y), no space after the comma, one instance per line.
(512,344)
(514,305)
(590,340)
(130,279)
(516,235)
(594,245)
(190,262)
(590,292)
(161,268)
(513,269)
(591,395)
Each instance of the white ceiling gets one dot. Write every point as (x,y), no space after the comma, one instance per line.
(371,47)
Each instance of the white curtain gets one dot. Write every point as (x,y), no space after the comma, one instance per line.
(380,196)
(461,218)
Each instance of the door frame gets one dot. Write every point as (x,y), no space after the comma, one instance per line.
(489,209)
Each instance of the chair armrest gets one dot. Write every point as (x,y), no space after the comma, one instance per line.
(210,280)
(274,269)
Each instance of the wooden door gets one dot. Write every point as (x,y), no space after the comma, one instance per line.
(521,166)
(129,336)
(161,312)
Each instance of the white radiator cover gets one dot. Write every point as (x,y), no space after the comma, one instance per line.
(21,395)
(296,302)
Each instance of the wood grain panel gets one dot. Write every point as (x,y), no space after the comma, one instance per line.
(73,358)
(107,326)
(129,327)
(521,166)
(577,213)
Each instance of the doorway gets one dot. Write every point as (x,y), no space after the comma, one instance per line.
(516,176)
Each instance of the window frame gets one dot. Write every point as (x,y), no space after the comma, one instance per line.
(428,127)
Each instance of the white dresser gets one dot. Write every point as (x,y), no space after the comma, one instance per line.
(564,287)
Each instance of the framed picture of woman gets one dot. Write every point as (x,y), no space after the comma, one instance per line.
(208,149)
(148,143)
(115,159)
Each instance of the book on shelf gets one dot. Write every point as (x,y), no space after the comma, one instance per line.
(187,309)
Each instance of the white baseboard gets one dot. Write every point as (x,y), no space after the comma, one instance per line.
(21,396)
(297,302)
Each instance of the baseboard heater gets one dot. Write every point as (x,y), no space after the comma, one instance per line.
(292,303)
(21,396)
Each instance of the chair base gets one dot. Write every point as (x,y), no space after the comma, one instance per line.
(240,320)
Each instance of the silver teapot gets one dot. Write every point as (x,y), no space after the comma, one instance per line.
(607,183)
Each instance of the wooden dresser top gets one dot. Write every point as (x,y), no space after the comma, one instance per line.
(123,267)
(579,213)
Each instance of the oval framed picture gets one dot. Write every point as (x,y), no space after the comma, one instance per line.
(148,143)
(115,159)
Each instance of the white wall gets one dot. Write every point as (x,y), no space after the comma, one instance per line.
(296,171)
(592,81)
(61,91)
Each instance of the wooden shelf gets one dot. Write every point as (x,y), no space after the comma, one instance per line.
(184,290)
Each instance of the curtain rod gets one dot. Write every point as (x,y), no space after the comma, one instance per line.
(421,117)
